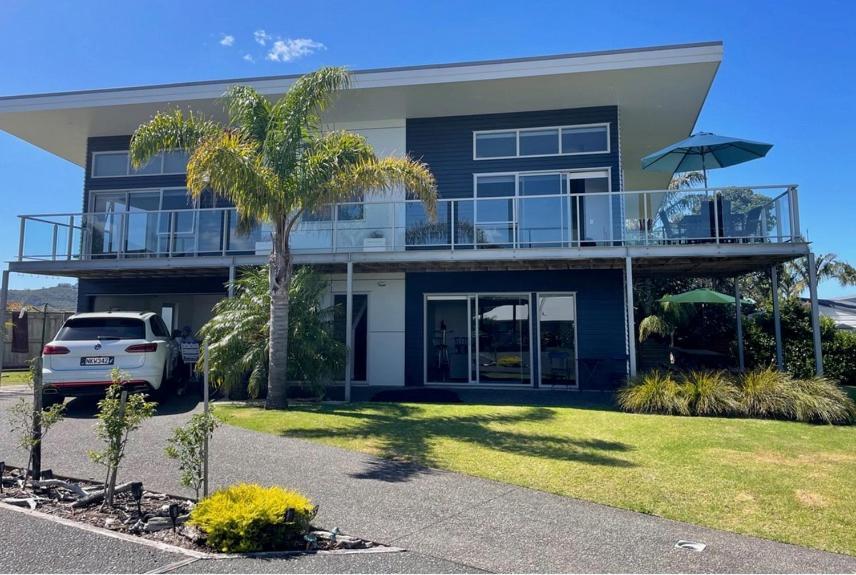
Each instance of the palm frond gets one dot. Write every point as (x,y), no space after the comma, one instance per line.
(654,325)
(414,176)
(684,180)
(231,166)
(248,111)
(170,131)
(298,113)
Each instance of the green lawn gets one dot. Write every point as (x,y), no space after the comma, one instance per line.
(786,481)
(15,377)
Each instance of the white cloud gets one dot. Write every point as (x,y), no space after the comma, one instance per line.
(227,40)
(249,58)
(262,37)
(291,49)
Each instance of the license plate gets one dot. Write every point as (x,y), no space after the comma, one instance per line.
(100,360)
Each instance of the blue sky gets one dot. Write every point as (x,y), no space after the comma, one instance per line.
(787,76)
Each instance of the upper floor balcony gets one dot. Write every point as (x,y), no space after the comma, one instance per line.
(688,222)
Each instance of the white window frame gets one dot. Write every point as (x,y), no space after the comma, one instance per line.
(517,132)
(128,173)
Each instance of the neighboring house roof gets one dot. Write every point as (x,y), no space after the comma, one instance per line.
(841,310)
(659,92)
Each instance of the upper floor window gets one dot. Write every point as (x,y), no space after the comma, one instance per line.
(547,141)
(117,164)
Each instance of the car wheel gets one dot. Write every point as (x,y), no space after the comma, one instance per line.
(51,399)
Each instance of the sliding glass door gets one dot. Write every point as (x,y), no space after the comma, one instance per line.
(490,339)
(503,339)
(557,337)
(478,338)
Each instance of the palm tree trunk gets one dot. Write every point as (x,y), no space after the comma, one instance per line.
(280,280)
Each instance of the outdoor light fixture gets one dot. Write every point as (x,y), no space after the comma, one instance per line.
(137,494)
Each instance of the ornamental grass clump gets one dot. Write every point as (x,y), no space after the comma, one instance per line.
(654,392)
(248,517)
(818,400)
(767,393)
(710,393)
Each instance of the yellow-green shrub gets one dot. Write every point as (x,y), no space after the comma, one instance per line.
(248,517)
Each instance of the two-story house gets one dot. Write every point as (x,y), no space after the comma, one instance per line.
(525,278)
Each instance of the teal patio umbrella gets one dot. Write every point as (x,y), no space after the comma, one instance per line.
(704,151)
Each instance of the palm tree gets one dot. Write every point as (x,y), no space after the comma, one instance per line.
(240,332)
(274,162)
(794,278)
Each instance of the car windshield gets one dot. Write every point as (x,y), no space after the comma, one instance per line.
(108,328)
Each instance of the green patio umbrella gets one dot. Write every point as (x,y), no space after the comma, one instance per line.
(703,295)
(698,296)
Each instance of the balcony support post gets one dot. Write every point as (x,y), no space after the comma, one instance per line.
(738,313)
(815,315)
(631,319)
(777,318)
(349,312)
(4,294)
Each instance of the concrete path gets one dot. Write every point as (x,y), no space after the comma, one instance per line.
(464,523)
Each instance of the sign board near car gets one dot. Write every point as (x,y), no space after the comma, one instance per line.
(190,351)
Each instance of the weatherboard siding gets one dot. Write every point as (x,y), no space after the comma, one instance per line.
(446,145)
(115,144)
(600,313)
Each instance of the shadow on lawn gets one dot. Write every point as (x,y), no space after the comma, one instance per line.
(405,436)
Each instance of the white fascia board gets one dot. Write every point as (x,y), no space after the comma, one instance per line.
(383,78)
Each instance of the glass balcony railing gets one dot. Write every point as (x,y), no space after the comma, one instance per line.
(764,214)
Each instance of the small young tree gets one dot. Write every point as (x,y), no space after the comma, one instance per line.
(21,422)
(187,445)
(118,416)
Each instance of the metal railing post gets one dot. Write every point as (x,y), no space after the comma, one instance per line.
(171,239)
(22,229)
(796,232)
(69,241)
(224,231)
(452,234)
(54,230)
(778,208)
(716,216)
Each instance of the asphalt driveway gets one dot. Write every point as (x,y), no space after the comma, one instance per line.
(448,522)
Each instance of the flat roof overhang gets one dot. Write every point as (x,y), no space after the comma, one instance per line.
(724,260)
(659,92)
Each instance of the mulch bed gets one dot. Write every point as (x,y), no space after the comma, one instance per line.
(149,519)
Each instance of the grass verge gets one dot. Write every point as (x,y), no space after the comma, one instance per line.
(15,378)
(779,480)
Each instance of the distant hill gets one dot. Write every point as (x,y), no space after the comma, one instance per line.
(58,297)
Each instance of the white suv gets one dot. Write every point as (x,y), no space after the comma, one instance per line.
(88,346)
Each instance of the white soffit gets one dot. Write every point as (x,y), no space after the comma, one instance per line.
(659,92)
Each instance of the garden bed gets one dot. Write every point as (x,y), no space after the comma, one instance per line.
(157,516)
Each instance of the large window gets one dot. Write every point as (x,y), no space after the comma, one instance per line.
(547,141)
(117,164)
